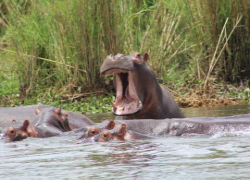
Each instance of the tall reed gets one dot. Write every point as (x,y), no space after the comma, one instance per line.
(60,45)
(77,35)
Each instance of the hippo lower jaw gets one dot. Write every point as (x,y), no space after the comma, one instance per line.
(127,109)
(127,101)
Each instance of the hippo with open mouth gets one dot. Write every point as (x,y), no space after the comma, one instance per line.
(138,94)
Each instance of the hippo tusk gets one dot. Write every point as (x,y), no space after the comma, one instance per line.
(113,104)
(137,102)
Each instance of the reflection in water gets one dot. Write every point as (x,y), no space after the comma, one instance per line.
(223,156)
(192,112)
(217,111)
(98,117)
(125,152)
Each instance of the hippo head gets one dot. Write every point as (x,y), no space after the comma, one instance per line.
(94,130)
(18,133)
(53,117)
(107,135)
(134,82)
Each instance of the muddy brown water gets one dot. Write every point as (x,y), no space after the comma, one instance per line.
(222,156)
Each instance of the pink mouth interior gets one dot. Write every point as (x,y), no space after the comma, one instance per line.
(127,101)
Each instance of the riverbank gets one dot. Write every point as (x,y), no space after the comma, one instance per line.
(100,101)
(186,94)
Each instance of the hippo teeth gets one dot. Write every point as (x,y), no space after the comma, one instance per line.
(113,104)
(126,108)
(127,101)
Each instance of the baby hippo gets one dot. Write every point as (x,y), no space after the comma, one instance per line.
(116,134)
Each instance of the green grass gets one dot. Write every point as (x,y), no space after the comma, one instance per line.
(57,47)
(92,104)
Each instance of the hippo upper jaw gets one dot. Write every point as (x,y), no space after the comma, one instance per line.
(117,62)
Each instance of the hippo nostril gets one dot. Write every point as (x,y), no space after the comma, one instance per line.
(138,55)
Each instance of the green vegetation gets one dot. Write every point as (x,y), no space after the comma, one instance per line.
(51,51)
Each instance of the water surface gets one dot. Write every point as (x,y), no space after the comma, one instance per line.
(222,156)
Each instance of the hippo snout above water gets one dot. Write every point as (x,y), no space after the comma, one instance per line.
(138,94)
(120,132)
(94,130)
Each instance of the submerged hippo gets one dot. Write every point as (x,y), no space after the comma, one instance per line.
(138,94)
(7,114)
(151,128)
(34,112)
(90,131)
(49,122)
(76,120)
(178,127)
(120,133)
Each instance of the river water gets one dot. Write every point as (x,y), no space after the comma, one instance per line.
(222,156)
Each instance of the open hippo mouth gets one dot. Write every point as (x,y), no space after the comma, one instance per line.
(127,101)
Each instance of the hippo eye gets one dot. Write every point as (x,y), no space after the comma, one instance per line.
(93,132)
(12,131)
(105,135)
(138,55)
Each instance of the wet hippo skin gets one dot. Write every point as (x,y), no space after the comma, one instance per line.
(178,126)
(150,128)
(19,114)
(138,94)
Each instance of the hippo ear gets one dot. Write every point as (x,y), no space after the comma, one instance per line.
(25,125)
(58,111)
(37,111)
(123,130)
(111,56)
(145,57)
(110,125)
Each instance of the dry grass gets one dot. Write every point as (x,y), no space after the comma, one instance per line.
(203,98)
